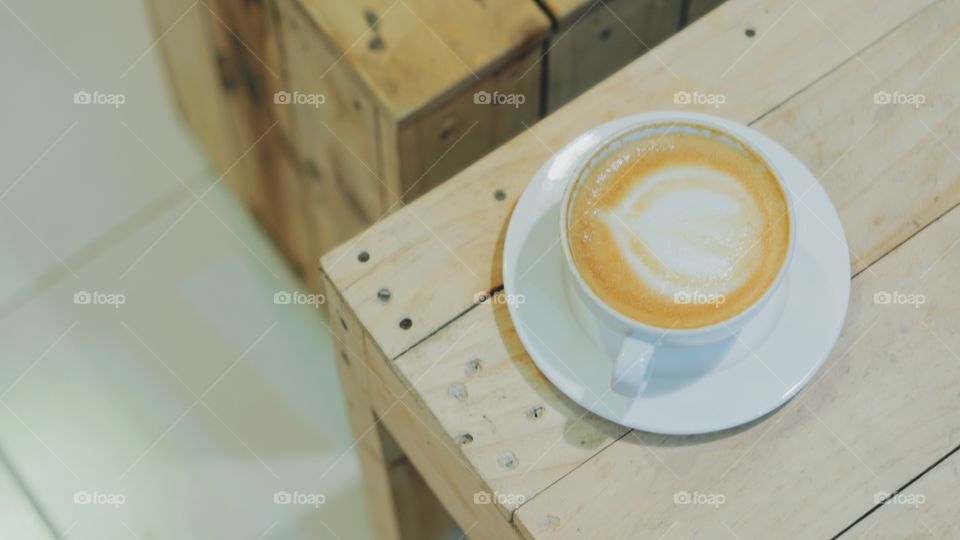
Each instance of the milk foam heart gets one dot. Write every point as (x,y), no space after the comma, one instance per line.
(679,229)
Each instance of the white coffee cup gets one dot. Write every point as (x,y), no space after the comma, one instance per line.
(632,345)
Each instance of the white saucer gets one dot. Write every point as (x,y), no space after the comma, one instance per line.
(693,390)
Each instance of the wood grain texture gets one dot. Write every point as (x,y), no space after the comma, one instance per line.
(863,445)
(438,253)
(248,44)
(194,74)
(437,459)
(390,43)
(374,462)
(458,131)
(342,190)
(513,426)
(595,39)
(420,514)
(435,256)
(928,508)
(815,464)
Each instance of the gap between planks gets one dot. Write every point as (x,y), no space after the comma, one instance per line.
(895,493)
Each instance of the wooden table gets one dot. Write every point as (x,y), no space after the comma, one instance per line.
(838,84)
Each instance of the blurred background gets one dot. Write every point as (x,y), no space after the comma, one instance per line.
(181,398)
(171,172)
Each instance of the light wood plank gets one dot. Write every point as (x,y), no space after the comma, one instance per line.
(194,73)
(928,508)
(451,478)
(349,358)
(510,423)
(341,192)
(421,515)
(437,253)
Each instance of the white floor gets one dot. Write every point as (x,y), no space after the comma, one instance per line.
(192,408)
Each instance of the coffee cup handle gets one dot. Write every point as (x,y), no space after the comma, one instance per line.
(631,371)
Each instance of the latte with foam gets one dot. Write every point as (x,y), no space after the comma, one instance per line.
(677,226)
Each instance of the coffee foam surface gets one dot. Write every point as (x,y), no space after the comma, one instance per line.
(678,229)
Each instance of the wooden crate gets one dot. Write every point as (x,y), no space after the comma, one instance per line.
(399,81)
(224,66)
(405,90)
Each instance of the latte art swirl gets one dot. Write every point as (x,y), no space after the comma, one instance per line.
(659,223)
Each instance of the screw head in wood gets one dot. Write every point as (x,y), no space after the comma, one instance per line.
(750,32)
(406,323)
(499,194)
(508,460)
(472,367)
(383,294)
(363,256)
(457,391)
